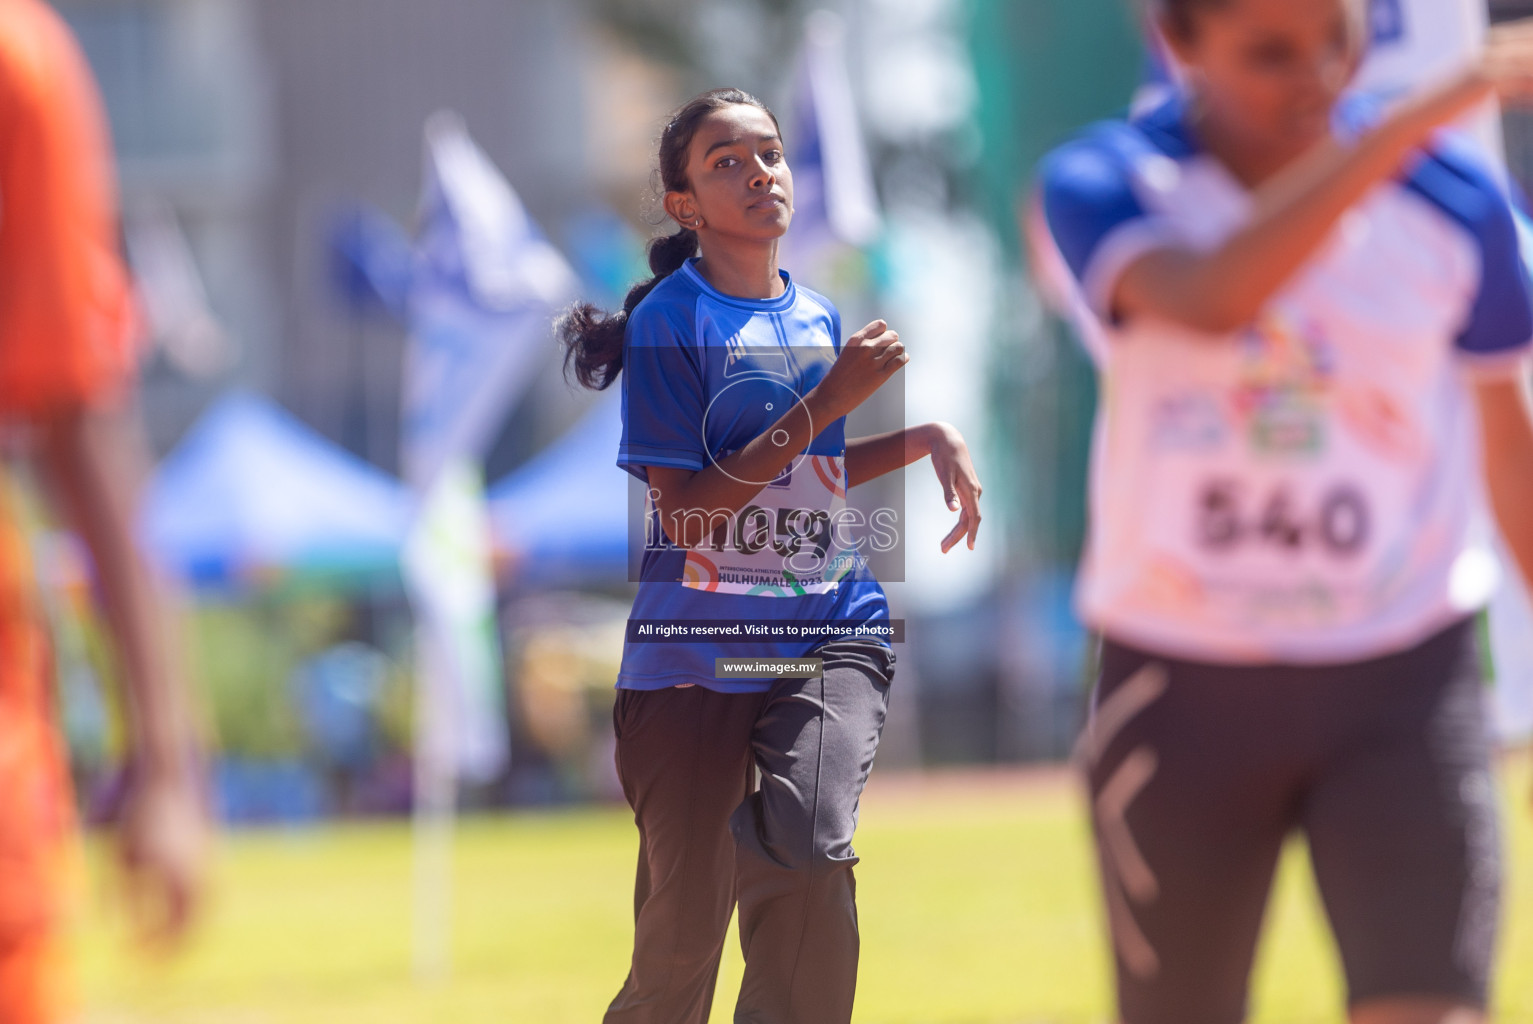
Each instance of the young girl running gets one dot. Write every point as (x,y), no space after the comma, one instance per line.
(1314,326)
(736,383)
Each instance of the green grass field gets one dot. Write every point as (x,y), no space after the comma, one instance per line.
(314,927)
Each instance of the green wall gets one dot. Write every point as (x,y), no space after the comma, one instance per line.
(1045,68)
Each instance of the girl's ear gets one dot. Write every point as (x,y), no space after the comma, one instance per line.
(683,210)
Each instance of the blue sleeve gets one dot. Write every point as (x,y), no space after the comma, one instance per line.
(663,393)
(1500,317)
(1088,192)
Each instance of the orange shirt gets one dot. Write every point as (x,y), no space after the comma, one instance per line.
(36,814)
(66,313)
(66,338)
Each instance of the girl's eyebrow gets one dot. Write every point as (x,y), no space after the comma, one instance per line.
(736,140)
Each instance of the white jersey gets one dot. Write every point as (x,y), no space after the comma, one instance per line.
(1308,489)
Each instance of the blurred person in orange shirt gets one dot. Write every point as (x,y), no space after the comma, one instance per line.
(67,346)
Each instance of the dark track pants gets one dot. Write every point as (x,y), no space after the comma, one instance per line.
(686,758)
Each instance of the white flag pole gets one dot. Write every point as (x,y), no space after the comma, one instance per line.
(434,814)
(446,568)
(485,287)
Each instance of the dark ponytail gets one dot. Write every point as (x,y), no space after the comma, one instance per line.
(592,337)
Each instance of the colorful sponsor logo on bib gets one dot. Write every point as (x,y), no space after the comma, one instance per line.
(1285,388)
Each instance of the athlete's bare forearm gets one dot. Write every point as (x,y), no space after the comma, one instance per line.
(868,458)
(1506,425)
(1222,289)
(95,460)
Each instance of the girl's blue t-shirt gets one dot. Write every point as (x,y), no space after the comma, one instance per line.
(704,373)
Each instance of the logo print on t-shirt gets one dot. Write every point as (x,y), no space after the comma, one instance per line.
(1285,388)
(741,359)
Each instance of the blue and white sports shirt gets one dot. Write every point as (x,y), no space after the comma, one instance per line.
(704,373)
(1308,489)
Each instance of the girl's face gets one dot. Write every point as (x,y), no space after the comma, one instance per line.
(740,185)
(1270,71)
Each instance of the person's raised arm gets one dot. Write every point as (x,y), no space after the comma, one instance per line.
(1219,290)
(691,502)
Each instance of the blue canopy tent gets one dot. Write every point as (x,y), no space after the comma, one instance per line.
(252,495)
(563,516)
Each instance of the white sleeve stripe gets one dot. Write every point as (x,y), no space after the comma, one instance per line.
(1491,364)
(1115,253)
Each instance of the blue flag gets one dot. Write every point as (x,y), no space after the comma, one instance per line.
(483,292)
(485,288)
(834,200)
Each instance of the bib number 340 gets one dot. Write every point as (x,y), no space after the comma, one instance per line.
(1228,519)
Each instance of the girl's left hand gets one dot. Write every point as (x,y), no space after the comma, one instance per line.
(960,484)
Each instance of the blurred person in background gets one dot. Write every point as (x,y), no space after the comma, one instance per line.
(736,385)
(66,380)
(1312,324)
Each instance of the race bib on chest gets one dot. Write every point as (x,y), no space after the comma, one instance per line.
(1283,499)
(785,542)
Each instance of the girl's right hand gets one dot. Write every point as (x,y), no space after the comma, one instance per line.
(1504,69)
(867,360)
(1507,62)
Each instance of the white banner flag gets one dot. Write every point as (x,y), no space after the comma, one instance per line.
(447,570)
(487,284)
(834,197)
